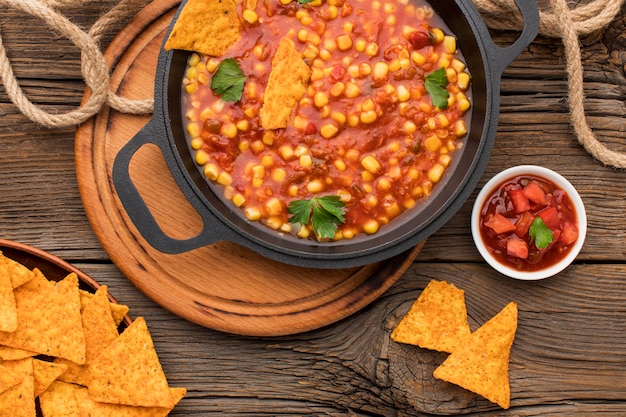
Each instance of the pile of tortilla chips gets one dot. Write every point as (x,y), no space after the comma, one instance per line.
(478,361)
(60,351)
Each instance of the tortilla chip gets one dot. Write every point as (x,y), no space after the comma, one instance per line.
(45,373)
(119,311)
(481,365)
(19,400)
(99,329)
(205,26)
(59,400)
(287,84)
(8,353)
(49,321)
(97,409)
(8,309)
(437,320)
(18,273)
(128,371)
(9,378)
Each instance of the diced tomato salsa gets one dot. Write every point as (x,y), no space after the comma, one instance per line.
(366,130)
(509,212)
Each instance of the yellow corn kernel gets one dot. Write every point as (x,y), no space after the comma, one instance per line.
(371,164)
(344,196)
(381,71)
(352,90)
(431,123)
(333,12)
(286,227)
(191,88)
(202,157)
(286,152)
(367,176)
(303,233)
(383,184)
(292,190)
(224,178)
(368,104)
(457,65)
(257,182)
(311,51)
(305,161)
(426,107)
(258,171)
(300,150)
(442,120)
(273,222)
(239,200)
(463,104)
(212,65)
(273,206)
(353,120)
(368,117)
(229,130)
(242,125)
(302,35)
(344,42)
(329,130)
(463,80)
(192,73)
(211,171)
(268,137)
(449,44)
(252,213)
(371,226)
(360,45)
(451,75)
(353,71)
(352,155)
(267,160)
(371,49)
(194,59)
(409,127)
(193,129)
(394,65)
(320,99)
(338,117)
(418,58)
(432,143)
(250,16)
(337,89)
(325,54)
(445,160)
(196,144)
(435,173)
(315,186)
(257,146)
(460,128)
(244,145)
(437,34)
(278,174)
(395,172)
(403,93)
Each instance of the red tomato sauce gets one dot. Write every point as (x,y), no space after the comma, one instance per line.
(508,213)
(366,130)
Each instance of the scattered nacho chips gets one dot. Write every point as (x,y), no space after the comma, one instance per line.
(437,320)
(205,26)
(481,365)
(18,273)
(287,84)
(60,332)
(8,309)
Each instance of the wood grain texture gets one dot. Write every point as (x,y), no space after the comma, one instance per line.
(569,356)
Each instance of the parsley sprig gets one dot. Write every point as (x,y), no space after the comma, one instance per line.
(228,80)
(435,84)
(540,233)
(323,213)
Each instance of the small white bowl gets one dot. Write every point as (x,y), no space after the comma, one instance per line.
(561,183)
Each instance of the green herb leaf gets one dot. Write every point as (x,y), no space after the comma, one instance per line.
(324,214)
(540,233)
(228,80)
(435,84)
(304,1)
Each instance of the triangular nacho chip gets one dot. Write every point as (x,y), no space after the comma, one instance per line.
(9,378)
(8,353)
(99,329)
(45,373)
(8,309)
(18,273)
(481,365)
(437,320)
(128,371)
(97,409)
(287,84)
(59,400)
(49,321)
(119,311)
(205,26)
(19,400)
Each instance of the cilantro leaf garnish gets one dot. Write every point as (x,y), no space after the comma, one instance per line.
(304,1)
(228,80)
(324,214)
(540,233)
(435,84)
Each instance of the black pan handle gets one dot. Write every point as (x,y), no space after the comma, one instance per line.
(501,57)
(136,208)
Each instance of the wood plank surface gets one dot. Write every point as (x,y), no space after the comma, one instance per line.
(569,356)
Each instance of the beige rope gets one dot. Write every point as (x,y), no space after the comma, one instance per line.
(561,21)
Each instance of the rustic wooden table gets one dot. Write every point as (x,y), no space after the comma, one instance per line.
(569,355)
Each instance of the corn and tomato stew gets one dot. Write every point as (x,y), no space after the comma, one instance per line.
(382,114)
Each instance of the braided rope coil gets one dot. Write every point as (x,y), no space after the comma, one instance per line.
(560,21)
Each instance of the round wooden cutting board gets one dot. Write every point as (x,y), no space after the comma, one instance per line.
(222,286)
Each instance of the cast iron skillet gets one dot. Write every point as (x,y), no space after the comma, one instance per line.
(485,61)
